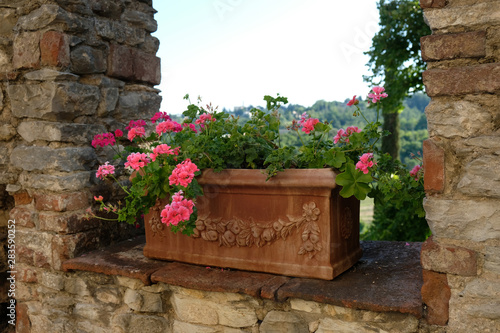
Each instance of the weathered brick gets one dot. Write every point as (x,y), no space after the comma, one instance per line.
(61,202)
(54,48)
(448,259)
(133,64)
(436,296)
(23,324)
(27,275)
(434,160)
(22,198)
(484,78)
(25,217)
(463,45)
(26,50)
(432,3)
(24,255)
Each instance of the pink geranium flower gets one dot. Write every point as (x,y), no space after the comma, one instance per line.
(179,210)
(118,133)
(104,170)
(137,160)
(160,115)
(135,123)
(353,101)
(161,149)
(365,162)
(168,126)
(415,172)
(377,94)
(307,123)
(343,136)
(104,139)
(99,198)
(190,126)
(136,132)
(183,173)
(204,118)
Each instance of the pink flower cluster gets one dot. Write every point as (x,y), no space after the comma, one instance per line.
(104,170)
(365,162)
(307,123)
(190,126)
(378,94)
(183,173)
(415,172)
(343,136)
(137,160)
(161,149)
(204,117)
(168,126)
(104,139)
(179,210)
(160,115)
(118,133)
(136,132)
(135,123)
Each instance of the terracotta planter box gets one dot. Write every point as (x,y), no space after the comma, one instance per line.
(295,224)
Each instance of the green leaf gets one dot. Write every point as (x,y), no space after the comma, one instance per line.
(335,158)
(354,182)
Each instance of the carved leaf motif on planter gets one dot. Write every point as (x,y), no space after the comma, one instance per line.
(240,233)
(157,227)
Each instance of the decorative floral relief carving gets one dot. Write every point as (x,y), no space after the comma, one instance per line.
(157,227)
(237,232)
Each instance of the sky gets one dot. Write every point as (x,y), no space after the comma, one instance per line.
(233,52)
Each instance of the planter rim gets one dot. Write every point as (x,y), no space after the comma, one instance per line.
(322,178)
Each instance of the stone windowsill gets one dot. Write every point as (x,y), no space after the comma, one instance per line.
(387,278)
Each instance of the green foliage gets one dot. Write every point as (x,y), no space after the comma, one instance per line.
(396,62)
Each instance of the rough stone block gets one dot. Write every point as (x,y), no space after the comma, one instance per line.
(65,247)
(111,8)
(448,259)
(481,177)
(64,223)
(194,310)
(52,14)
(306,306)
(432,3)
(130,322)
(25,217)
(4,156)
(137,105)
(109,295)
(7,132)
(141,20)
(434,175)
(55,101)
(121,62)
(23,324)
(117,32)
(473,220)
(27,275)
(481,13)
(451,118)
(436,295)
(52,280)
(47,74)
(181,327)
(284,322)
(8,19)
(462,45)
(492,259)
(88,60)
(484,78)
(63,132)
(147,67)
(54,48)
(61,202)
(46,158)
(61,182)
(109,100)
(26,50)
(38,245)
(143,301)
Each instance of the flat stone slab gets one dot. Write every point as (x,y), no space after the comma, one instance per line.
(388,277)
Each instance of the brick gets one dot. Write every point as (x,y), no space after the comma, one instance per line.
(27,275)
(462,45)
(448,259)
(432,3)
(436,296)
(54,49)
(61,202)
(23,324)
(26,50)
(24,217)
(65,247)
(476,79)
(434,175)
(22,198)
(24,255)
(133,64)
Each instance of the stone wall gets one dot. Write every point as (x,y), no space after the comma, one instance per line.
(69,69)
(462,174)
